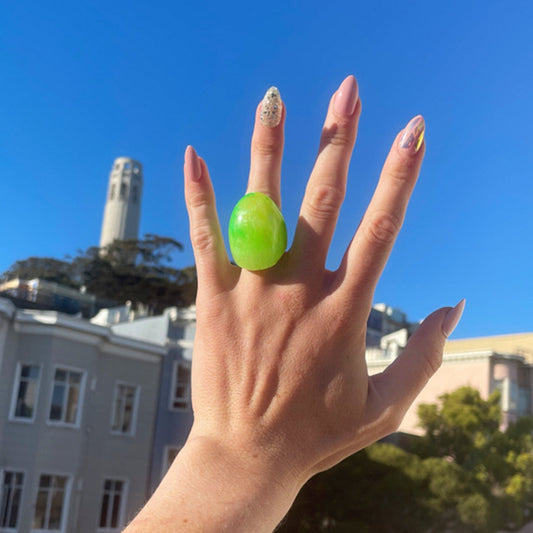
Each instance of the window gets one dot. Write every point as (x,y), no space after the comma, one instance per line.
(66,395)
(134,194)
(112,504)
(123,191)
(124,409)
(25,392)
(181,386)
(169,455)
(50,502)
(112,192)
(524,401)
(10,496)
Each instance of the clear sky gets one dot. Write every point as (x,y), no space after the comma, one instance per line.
(87,81)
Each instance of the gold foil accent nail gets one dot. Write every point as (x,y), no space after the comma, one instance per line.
(414,135)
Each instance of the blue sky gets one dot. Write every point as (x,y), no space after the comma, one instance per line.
(85,82)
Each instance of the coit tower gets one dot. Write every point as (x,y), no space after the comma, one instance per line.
(123,205)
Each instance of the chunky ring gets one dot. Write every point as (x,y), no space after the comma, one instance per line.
(257,232)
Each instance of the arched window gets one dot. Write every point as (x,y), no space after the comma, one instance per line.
(123,191)
(112,192)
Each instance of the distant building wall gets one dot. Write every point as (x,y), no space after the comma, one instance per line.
(175,330)
(485,371)
(83,417)
(384,319)
(516,343)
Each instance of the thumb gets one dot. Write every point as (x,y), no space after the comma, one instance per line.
(401,382)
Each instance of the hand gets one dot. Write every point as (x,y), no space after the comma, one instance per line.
(280,387)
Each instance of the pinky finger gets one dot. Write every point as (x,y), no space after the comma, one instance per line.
(212,261)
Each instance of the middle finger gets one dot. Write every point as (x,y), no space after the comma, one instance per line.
(267,147)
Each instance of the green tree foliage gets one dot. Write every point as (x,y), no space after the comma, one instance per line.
(372,491)
(47,268)
(133,270)
(464,475)
(462,425)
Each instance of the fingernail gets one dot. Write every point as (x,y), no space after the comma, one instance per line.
(346,97)
(193,163)
(452,318)
(413,135)
(271,108)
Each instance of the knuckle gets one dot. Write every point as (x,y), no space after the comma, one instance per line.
(399,174)
(392,420)
(265,146)
(337,136)
(324,201)
(202,239)
(433,361)
(382,227)
(196,200)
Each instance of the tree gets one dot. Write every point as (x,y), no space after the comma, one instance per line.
(135,271)
(380,489)
(499,465)
(464,475)
(47,268)
(132,270)
(462,425)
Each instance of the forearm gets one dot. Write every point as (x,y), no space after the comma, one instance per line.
(209,490)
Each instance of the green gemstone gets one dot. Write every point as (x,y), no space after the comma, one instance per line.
(257,232)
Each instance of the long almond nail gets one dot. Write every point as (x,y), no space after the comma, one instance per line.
(413,135)
(452,318)
(271,108)
(193,163)
(346,97)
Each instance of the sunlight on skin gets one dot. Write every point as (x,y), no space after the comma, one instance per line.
(280,388)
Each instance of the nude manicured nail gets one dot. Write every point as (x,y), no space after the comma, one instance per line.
(452,318)
(193,163)
(271,108)
(346,97)
(413,135)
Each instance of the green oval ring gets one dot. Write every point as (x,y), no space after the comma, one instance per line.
(257,232)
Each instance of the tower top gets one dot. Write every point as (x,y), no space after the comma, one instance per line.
(123,206)
(127,164)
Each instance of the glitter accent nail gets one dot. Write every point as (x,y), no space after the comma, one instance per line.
(271,108)
(413,135)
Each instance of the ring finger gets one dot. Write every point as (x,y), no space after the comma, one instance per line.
(326,187)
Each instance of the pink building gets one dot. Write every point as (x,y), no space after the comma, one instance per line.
(487,363)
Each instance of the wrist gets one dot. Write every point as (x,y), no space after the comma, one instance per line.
(214,487)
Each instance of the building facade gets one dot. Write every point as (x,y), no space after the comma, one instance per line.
(175,331)
(486,364)
(383,320)
(77,413)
